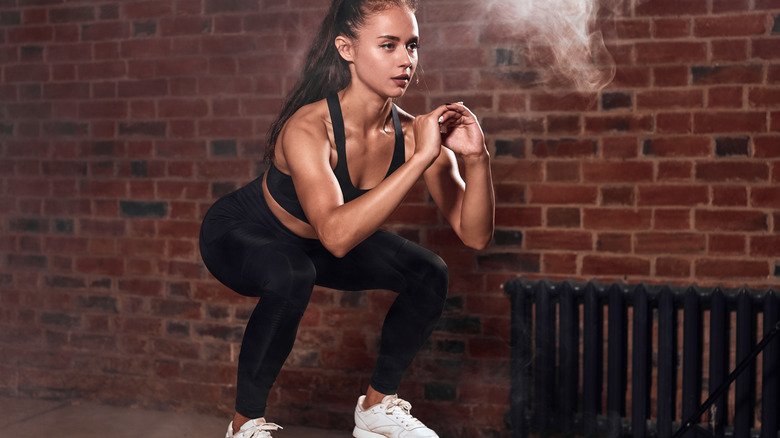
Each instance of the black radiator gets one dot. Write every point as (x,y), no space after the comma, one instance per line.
(559,332)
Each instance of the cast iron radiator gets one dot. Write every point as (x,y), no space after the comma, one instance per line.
(558,365)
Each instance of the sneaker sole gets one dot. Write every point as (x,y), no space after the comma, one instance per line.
(360,433)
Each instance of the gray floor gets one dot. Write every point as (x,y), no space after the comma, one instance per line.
(27,418)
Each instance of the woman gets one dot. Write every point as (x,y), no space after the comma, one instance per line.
(314,219)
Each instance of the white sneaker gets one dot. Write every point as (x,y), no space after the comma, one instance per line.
(390,419)
(256,428)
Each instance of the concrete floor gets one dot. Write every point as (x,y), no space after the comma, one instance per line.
(28,418)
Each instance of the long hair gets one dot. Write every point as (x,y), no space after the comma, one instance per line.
(325,71)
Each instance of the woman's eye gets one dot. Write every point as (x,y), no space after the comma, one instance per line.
(413,46)
(388,46)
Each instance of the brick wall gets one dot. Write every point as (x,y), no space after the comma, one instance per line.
(121,122)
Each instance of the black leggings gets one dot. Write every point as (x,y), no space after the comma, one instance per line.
(249,250)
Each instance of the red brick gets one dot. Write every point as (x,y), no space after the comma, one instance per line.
(731,220)
(731,25)
(678,147)
(559,263)
(715,122)
(767,4)
(518,216)
(564,148)
(673,123)
(726,244)
(558,240)
(661,194)
(511,193)
(671,7)
(731,268)
(623,171)
(671,28)
(562,171)
(719,6)
(674,170)
(725,97)
(729,196)
(671,52)
(765,48)
(563,194)
(657,99)
(100,265)
(512,103)
(618,196)
(632,29)
(672,267)
(563,217)
(767,246)
(670,243)
(619,147)
(773,74)
(764,97)
(671,76)
(564,102)
(765,197)
(632,123)
(516,170)
(618,266)
(732,171)
(729,50)
(766,147)
(494,124)
(564,124)
(616,219)
(627,76)
(613,242)
(671,219)
(727,74)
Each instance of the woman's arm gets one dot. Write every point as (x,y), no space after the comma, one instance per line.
(468,206)
(341,226)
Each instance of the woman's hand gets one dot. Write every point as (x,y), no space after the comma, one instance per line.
(427,136)
(461,131)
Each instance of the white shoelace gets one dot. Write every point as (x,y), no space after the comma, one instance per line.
(260,430)
(398,404)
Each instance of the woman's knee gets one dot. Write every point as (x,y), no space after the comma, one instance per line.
(287,273)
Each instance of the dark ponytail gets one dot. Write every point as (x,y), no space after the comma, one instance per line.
(325,71)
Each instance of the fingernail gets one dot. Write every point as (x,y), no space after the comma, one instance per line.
(441,119)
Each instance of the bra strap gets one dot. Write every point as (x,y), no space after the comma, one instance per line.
(398,152)
(338,134)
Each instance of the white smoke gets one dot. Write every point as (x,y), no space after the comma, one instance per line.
(561,40)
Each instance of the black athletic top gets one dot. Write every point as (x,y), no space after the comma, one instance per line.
(281,187)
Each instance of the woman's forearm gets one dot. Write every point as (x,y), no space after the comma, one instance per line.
(351,222)
(478,208)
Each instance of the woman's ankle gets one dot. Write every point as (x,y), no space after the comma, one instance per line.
(239,420)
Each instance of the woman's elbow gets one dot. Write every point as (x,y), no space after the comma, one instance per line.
(480,243)
(332,240)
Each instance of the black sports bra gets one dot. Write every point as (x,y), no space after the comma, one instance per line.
(281,187)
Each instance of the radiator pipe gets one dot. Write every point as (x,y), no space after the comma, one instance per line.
(731,377)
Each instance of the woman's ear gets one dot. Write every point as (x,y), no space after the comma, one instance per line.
(345,48)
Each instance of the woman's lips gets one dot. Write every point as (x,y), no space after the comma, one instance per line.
(401,82)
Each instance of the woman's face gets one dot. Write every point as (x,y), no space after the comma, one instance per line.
(384,55)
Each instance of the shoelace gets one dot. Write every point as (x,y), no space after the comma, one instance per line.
(260,430)
(405,407)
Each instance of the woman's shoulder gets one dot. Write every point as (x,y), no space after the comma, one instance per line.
(406,118)
(309,119)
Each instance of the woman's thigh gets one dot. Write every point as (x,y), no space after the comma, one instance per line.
(384,260)
(252,261)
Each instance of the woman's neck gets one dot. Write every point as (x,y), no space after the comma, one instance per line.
(365,110)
